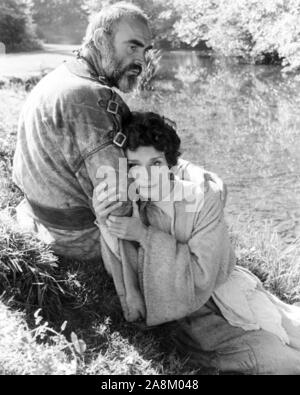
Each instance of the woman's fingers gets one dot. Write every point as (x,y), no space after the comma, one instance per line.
(102,208)
(116,232)
(106,199)
(114,226)
(117,235)
(115,220)
(100,188)
(115,229)
(111,225)
(110,195)
(105,213)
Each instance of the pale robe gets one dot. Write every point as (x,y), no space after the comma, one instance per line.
(187,274)
(184,282)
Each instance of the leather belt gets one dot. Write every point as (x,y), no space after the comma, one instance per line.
(77,218)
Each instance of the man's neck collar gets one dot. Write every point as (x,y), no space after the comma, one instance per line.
(93,63)
(94,58)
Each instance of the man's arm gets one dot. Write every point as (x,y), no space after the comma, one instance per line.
(100,160)
(186,170)
(108,180)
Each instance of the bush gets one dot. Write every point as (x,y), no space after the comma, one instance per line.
(150,71)
(28,270)
(252,30)
(16,28)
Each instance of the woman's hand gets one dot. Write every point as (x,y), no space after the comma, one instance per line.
(105,202)
(128,228)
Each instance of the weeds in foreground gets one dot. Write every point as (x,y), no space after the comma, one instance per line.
(24,351)
(28,270)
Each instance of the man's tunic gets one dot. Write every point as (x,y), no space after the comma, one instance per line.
(65,135)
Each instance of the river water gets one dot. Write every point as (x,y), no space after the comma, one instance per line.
(242,122)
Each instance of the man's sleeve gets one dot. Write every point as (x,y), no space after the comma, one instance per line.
(104,165)
(99,159)
(187,171)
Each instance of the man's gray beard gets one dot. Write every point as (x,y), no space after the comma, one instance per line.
(117,77)
(127,83)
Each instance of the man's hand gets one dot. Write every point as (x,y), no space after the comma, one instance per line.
(128,228)
(105,202)
(222,186)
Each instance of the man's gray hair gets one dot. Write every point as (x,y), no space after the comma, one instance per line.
(110,16)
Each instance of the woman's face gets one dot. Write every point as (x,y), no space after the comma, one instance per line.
(149,169)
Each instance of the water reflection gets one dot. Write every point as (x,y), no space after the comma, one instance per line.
(242,122)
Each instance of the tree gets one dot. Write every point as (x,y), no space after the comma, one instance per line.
(60,20)
(162,15)
(17,30)
(254,30)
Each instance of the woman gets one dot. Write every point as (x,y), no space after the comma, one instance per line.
(186,269)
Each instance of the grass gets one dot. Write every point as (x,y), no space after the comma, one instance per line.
(96,340)
(23,351)
(267,256)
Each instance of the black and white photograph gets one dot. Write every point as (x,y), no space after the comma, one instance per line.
(149,190)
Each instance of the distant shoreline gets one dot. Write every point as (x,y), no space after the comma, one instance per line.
(31,64)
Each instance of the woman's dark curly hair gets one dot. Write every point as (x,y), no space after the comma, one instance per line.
(151,130)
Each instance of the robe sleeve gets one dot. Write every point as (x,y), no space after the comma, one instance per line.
(178,278)
(124,273)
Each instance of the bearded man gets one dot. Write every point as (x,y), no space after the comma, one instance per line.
(71,126)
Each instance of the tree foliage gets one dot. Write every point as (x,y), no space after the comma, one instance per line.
(258,31)
(66,20)
(17,31)
(60,20)
(162,15)
(254,30)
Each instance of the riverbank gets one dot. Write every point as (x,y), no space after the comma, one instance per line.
(28,64)
(91,306)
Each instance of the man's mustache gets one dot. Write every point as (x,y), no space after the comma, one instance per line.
(134,67)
